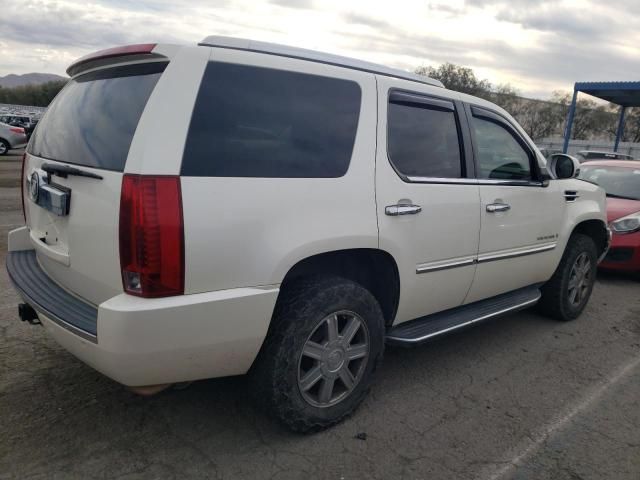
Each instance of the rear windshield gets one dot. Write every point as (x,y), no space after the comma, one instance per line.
(259,122)
(92,120)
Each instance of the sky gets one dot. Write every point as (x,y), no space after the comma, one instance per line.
(538,46)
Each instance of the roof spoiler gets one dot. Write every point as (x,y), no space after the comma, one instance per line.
(140,51)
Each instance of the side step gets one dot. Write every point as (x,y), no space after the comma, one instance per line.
(422,329)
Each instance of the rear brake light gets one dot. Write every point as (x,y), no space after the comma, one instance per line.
(127,50)
(17,129)
(22,180)
(151,236)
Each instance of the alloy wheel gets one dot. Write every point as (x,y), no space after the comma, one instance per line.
(333,359)
(580,279)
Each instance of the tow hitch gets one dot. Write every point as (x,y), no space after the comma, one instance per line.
(28,314)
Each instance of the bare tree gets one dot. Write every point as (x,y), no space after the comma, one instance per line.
(460,79)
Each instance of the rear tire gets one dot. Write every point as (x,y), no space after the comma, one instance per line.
(325,341)
(4,147)
(567,293)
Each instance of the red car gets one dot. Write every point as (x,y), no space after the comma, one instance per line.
(621,180)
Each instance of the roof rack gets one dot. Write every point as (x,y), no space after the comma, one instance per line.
(313,56)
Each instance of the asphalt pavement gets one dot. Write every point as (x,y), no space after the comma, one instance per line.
(519,397)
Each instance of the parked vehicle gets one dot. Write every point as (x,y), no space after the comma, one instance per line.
(11,138)
(588,155)
(621,181)
(26,122)
(301,210)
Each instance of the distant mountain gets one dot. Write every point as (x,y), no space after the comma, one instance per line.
(12,80)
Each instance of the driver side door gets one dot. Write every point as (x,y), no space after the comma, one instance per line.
(521,214)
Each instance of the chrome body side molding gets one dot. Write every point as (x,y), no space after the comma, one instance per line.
(482,258)
(520,252)
(445,264)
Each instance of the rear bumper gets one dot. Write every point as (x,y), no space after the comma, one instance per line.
(140,341)
(18,141)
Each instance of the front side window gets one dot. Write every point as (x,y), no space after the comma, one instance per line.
(500,156)
(260,122)
(423,141)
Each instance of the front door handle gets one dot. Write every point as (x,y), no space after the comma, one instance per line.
(402,209)
(498,207)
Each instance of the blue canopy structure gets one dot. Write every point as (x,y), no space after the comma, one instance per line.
(625,94)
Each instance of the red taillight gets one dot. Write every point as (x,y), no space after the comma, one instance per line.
(17,130)
(22,180)
(151,236)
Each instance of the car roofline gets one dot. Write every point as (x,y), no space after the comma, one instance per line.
(314,56)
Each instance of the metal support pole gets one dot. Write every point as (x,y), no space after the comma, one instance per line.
(567,128)
(620,130)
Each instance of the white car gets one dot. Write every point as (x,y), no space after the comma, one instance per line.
(241,207)
(11,138)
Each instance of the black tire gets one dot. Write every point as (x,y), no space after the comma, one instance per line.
(556,301)
(300,313)
(4,147)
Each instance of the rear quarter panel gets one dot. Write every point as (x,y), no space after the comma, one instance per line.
(242,232)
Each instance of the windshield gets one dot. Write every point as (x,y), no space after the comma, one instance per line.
(616,181)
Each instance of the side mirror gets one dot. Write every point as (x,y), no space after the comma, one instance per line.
(564,166)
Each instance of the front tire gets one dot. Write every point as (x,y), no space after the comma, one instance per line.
(324,344)
(567,293)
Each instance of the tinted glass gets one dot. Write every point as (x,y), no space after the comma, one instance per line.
(92,120)
(616,181)
(423,142)
(259,122)
(500,156)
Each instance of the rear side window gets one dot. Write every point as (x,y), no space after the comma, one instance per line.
(423,140)
(260,122)
(92,120)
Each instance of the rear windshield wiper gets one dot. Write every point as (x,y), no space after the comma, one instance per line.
(65,170)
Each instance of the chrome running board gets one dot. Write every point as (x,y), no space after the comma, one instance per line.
(425,328)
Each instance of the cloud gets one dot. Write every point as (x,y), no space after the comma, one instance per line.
(71,25)
(562,21)
(359,19)
(538,46)
(305,4)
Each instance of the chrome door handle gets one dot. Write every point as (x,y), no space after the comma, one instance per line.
(402,209)
(498,207)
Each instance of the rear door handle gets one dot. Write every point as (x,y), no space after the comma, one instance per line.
(402,209)
(498,207)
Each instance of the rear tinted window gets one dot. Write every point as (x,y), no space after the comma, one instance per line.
(423,141)
(259,122)
(92,120)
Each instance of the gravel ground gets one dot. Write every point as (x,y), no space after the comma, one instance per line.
(519,397)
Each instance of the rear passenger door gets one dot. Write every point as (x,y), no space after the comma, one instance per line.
(427,199)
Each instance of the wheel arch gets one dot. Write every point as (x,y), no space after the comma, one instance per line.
(374,269)
(597,230)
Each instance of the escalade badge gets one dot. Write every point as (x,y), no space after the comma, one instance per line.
(34,186)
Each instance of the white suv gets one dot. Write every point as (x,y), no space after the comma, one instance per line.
(240,207)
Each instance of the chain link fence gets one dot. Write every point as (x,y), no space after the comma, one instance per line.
(575,146)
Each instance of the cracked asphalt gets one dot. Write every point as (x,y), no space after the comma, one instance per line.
(520,397)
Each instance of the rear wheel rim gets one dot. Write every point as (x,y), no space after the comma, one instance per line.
(580,279)
(3,148)
(333,359)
